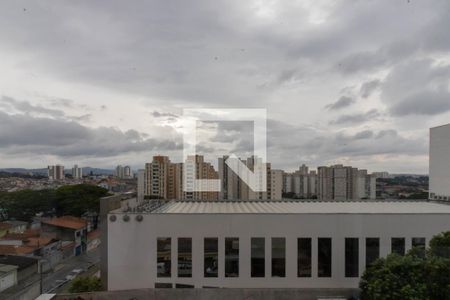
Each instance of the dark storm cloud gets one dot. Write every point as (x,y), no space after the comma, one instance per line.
(26,134)
(342,102)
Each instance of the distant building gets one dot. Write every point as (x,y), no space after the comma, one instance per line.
(55,172)
(127,173)
(340,182)
(77,173)
(440,163)
(301,183)
(234,188)
(382,175)
(140,184)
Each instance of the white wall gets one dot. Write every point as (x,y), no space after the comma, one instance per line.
(440,161)
(132,245)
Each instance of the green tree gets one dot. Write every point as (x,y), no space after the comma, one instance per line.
(85,284)
(410,277)
(77,199)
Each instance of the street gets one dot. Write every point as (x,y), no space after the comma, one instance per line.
(57,277)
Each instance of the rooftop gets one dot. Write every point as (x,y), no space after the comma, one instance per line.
(300,207)
(67,222)
(19,261)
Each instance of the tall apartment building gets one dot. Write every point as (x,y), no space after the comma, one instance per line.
(156,177)
(440,163)
(203,170)
(234,188)
(55,172)
(123,172)
(302,183)
(77,173)
(140,190)
(127,172)
(341,183)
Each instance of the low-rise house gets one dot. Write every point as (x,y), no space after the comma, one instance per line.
(17,226)
(26,266)
(4,228)
(67,228)
(8,276)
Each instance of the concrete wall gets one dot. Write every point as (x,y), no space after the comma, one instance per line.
(440,162)
(132,245)
(216,294)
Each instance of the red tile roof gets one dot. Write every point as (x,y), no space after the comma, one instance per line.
(16,250)
(93,234)
(4,226)
(67,222)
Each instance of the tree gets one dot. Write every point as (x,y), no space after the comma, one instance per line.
(77,199)
(85,284)
(411,277)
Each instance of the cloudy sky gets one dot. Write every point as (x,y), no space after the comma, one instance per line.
(102,83)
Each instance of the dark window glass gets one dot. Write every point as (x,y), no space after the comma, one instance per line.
(211,257)
(324,257)
(258,257)
(183,286)
(278,257)
(398,246)
(351,257)
(372,250)
(184,257)
(159,285)
(164,257)
(231,257)
(304,257)
(419,245)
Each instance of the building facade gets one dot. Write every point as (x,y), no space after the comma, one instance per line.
(77,173)
(55,172)
(263,244)
(440,163)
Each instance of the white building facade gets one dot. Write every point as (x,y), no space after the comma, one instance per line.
(263,244)
(440,163)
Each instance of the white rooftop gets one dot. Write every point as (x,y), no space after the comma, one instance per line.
(302,207)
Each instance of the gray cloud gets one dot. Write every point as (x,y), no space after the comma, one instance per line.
(357,118)
(26,107)
(44,136)
(342,102)
(367,88)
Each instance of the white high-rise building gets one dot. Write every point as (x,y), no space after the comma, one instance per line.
(440,163)
(77,173)
(127,172)
(55,172)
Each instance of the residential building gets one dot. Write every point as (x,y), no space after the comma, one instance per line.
(8,276)
(203,170)
(301,184)
(263,244)
(55,172)
(340,182)
(156,177)
(127,173)
(235,188)
(67,229)
(77,173)
(140,190)
(440,163)
(26,266)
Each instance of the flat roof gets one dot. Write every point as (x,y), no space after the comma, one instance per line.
(301,207)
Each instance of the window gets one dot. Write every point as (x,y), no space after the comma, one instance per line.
(372,250)
(278,257)
(184,257)
(164,257)
(211,266)
(159,285)
(419,244)
(231,257)
(398,246)
(183,286)
(324,257)
(351,257)
(304,251)
(258,257)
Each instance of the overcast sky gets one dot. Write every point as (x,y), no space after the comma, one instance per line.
(101,83)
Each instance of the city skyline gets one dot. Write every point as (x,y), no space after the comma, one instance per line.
(114,96)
